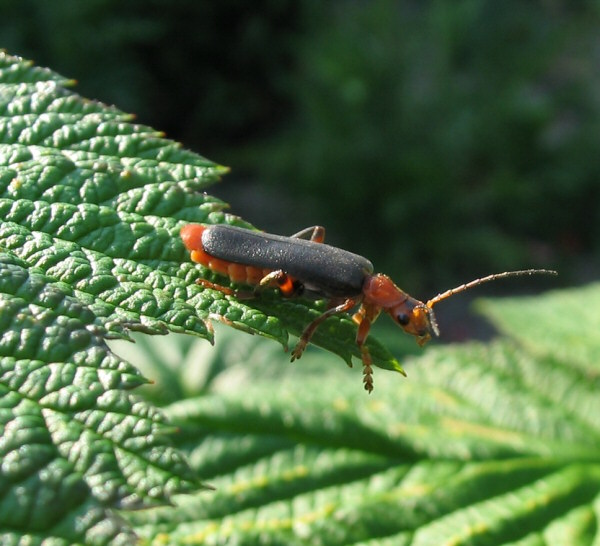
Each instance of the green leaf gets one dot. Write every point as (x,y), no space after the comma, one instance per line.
(482,444)
(97,203)
(91,207)
(85,224)
(74,441)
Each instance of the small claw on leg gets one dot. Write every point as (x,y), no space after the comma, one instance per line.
(367,369)
(368,378)
(298,350)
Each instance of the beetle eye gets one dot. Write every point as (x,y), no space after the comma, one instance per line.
(403,319)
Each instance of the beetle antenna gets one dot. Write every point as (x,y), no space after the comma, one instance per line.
(494,277)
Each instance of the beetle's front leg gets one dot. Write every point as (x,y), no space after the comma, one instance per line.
(366,315)
(346,305)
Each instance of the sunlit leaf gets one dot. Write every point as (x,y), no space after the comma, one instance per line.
(91,207)
(482,444)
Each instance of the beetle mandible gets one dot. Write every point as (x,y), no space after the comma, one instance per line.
(304,265)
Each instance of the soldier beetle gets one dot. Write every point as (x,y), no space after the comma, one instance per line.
(302,265)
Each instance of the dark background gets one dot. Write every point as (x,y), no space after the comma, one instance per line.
(443,140)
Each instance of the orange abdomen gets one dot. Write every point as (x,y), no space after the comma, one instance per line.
(191,235)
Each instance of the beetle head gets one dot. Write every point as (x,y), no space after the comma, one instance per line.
(415,318)
(412,315)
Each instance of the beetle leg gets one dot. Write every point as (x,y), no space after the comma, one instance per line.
(359,315)
(334,302)
(286,284)
(366,358)
(366,315)
(316,234)
(310,329)
(240,294)
(275,276)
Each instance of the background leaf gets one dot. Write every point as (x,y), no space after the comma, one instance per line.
(574,336)
(482,444)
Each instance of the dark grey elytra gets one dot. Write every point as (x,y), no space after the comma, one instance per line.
(323,269)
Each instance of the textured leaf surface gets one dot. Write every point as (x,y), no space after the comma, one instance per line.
(482,444)
(97,203)
(91,206)
(84,221)
(74,441)
(575,335)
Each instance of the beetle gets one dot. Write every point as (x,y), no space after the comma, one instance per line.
(303,265)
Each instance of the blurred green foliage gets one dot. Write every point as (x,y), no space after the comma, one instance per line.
(205,72)
(443,139)
(460,136)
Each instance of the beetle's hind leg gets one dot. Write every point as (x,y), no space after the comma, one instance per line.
(239,294)
(308,332)
(316,234)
